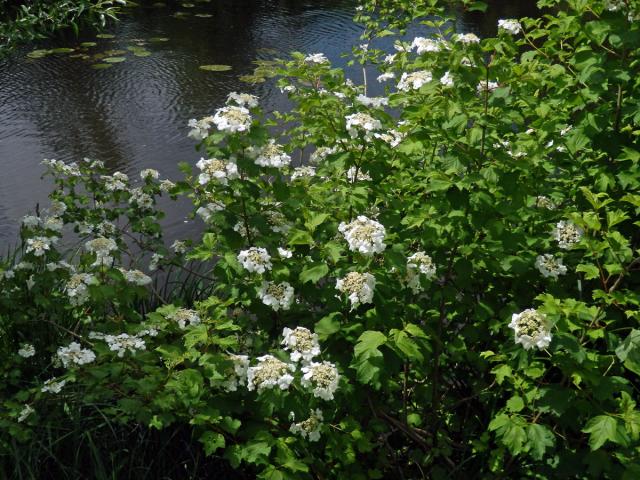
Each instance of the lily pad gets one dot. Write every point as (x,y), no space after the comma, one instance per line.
(215,68)
(114,53)
(251,79)
(187,5)
(158,39)
(115,59)
(88,44)
(105,35)
(39,53)
(141,53)
(159,5)
(101,66)
(181,14)
(203,15)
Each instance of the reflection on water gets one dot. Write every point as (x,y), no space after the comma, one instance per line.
(134,114)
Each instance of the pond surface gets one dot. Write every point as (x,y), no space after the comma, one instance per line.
(133,114)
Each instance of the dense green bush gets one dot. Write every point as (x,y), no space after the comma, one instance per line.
(448,286)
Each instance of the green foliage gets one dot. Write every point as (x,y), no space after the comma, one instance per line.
(459,269)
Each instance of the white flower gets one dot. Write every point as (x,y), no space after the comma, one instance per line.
(386,76)
(316,59)
(288,89)
(276,295)
(136,277)
(302,344)
(269,373)
(123,342)
(149,174)
(414,80)
(565,130)
(238,376)
(102,248)
(75,355)
(200,128)
(510,25)
(375,102)
(53,223)
(208,210)
(140,199)
(30,221)
(217,170)
(424,45)
(567,234)
(255,259)
(179,247)
(166,186)
(419,264)
(305,171)
(550,266)
(322,378)
(485,86)
(184,317)
(232,119)
(358,286)
(284,253)
(321,153)
(361,122)
(116,182)
(242,229)
(270,155)
(156,258)
(76,288)
(364,235)
(545,202)
(393,138)
(38,245)
(58,208)
(389,59)
(309,428)
(531,328)
(26,411)
(447,79)
(467,38)
(27,350)
(243,99)
(53,386)
(30,282)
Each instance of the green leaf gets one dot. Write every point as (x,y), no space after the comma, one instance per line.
(590,271)
(315,221)
(215,68)
(368,342)
(539,439)
(212,441)
(314,272)
(408,347)
(328,325)
(300,237)
(510,430)
(603,428)
(629,351)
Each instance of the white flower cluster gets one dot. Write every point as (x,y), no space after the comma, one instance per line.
(309,428)
(305,171)
(71,169)
(166,186)
(354,175)
(359,287)
(321,153)
(27,350)
(550,266)
(486,86)
(447,80)
(243,99)
(149,174)
(545,202)
(419,264)
(207,211)
(531,329)
(140,199)
(364,235)
(39,246)
(510,25)
(316,59)
(393,137)
(200,128)
(124,342)
(57,208)
(362,123)
(184,317)
(116,182)
(136,277)
(270,155)
(467,38)
(76,288)
(238,377)
(255,259)
(232,119)
(25,413)
(414,80)
(386,76)
(425,45)
(269,373)
(245,231)
(321,378)
(216,170)
(74,354)
(284,253)
(567,234)
(102,248)
(276,295)
(301,343)
(53,386)
(375,102)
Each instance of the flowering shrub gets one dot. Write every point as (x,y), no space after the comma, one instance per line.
(449,287)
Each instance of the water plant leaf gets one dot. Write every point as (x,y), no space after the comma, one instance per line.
(115,59)
(203,15)
(215,68)
(38,53)
(114,53)
(88,44)
(158,39)
(105,35)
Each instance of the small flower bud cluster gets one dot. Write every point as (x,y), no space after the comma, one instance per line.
(301,343)
(419,265)
(255,259)
(232,119)
(414,80)
(359,287)
(243,99)
(74,354)
(360,122)
(309,428)
(200,128)
(510,25)
(269,373)
(216,170)
(364,235)
(76,288)
(26,350)
(567,234)
(321,378)
(276,295)
(531,329)
(102,248)
(550,266)
(238,377)
(184,317)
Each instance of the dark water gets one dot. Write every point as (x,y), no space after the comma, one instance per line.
(134,115)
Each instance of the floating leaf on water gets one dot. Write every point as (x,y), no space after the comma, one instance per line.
(88,44)
(187,5)
(114,53)
(115,59)
(78,55)
(63,50)
(142,53)
(159,5)
(99,56)
(215,68)
(101,66)
(105,35)
(181,14)
(203,15)
(38,53)
(251,79)
(158,39)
